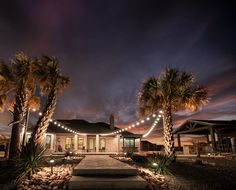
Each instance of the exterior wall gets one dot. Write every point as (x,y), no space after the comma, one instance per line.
(111,144)
(137,143)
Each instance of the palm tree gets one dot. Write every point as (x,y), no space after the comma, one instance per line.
(19,80)
(51,84)
(171,92)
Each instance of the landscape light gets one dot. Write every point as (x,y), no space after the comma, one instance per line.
(52,161)
(148,118)
(137,123)
(59,124)
(154,115)
(154,164)
(160,111)
(55,122)
(40,113)
(33,109)
(50,120)
(159,115)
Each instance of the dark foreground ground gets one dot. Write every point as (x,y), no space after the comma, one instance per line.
(213,174)
(193,176)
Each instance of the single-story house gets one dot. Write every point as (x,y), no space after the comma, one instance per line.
(84,137)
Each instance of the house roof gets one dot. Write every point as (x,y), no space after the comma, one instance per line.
(202,126)
(83,126)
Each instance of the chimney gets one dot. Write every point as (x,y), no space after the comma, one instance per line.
(112,121)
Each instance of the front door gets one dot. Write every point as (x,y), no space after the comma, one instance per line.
(91,144)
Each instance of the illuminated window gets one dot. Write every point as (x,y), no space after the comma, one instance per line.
(69,143)
(102,144)
(80,143)
(48,141)
(129,142)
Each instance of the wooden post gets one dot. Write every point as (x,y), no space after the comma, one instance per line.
(97,143)
(123,144)
(213,141)
(207,138)
(118,144)
(179,143)
(232,139)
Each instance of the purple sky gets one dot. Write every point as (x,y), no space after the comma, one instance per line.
(109,47)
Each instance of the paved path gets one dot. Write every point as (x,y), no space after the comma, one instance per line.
(104,172)
(103,164)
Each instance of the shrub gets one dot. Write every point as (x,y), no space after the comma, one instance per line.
(160,164)
(139,159)
(31,160)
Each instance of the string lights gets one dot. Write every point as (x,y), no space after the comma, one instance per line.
(141,122)
(56,123)
(135,124)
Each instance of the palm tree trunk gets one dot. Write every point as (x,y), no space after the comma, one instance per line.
(20,108)
(168,132)
(43,122)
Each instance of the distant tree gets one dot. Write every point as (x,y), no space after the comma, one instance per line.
(172,91)
(51,84)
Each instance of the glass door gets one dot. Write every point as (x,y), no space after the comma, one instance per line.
(91,144)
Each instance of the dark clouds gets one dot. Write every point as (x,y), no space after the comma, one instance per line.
(108,48)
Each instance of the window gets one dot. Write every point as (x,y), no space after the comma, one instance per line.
(129,142)
(102,144)
(69,143)
(80,143)
(48,141)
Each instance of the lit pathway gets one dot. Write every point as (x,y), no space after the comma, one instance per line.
(104,172)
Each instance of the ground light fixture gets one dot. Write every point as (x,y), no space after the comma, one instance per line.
(154,164)
(51,161)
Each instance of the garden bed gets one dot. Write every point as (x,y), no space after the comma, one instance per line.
(44,179)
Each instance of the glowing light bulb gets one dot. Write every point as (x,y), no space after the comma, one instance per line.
(154,115)
(137,123)
(40,113)
(148,118)
(55,122)
(142,121)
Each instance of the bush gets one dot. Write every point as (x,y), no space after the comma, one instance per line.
(160,164)
(31,160)
(139,159)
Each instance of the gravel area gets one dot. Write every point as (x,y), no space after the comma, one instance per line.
(46,181)
(187,175)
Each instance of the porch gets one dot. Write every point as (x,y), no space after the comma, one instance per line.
(87,144)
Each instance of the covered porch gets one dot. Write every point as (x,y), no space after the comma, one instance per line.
(219,135)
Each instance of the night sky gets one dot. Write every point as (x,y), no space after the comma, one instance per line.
(108,47)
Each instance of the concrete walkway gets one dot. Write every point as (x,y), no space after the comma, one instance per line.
(103,164)
(104,172)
